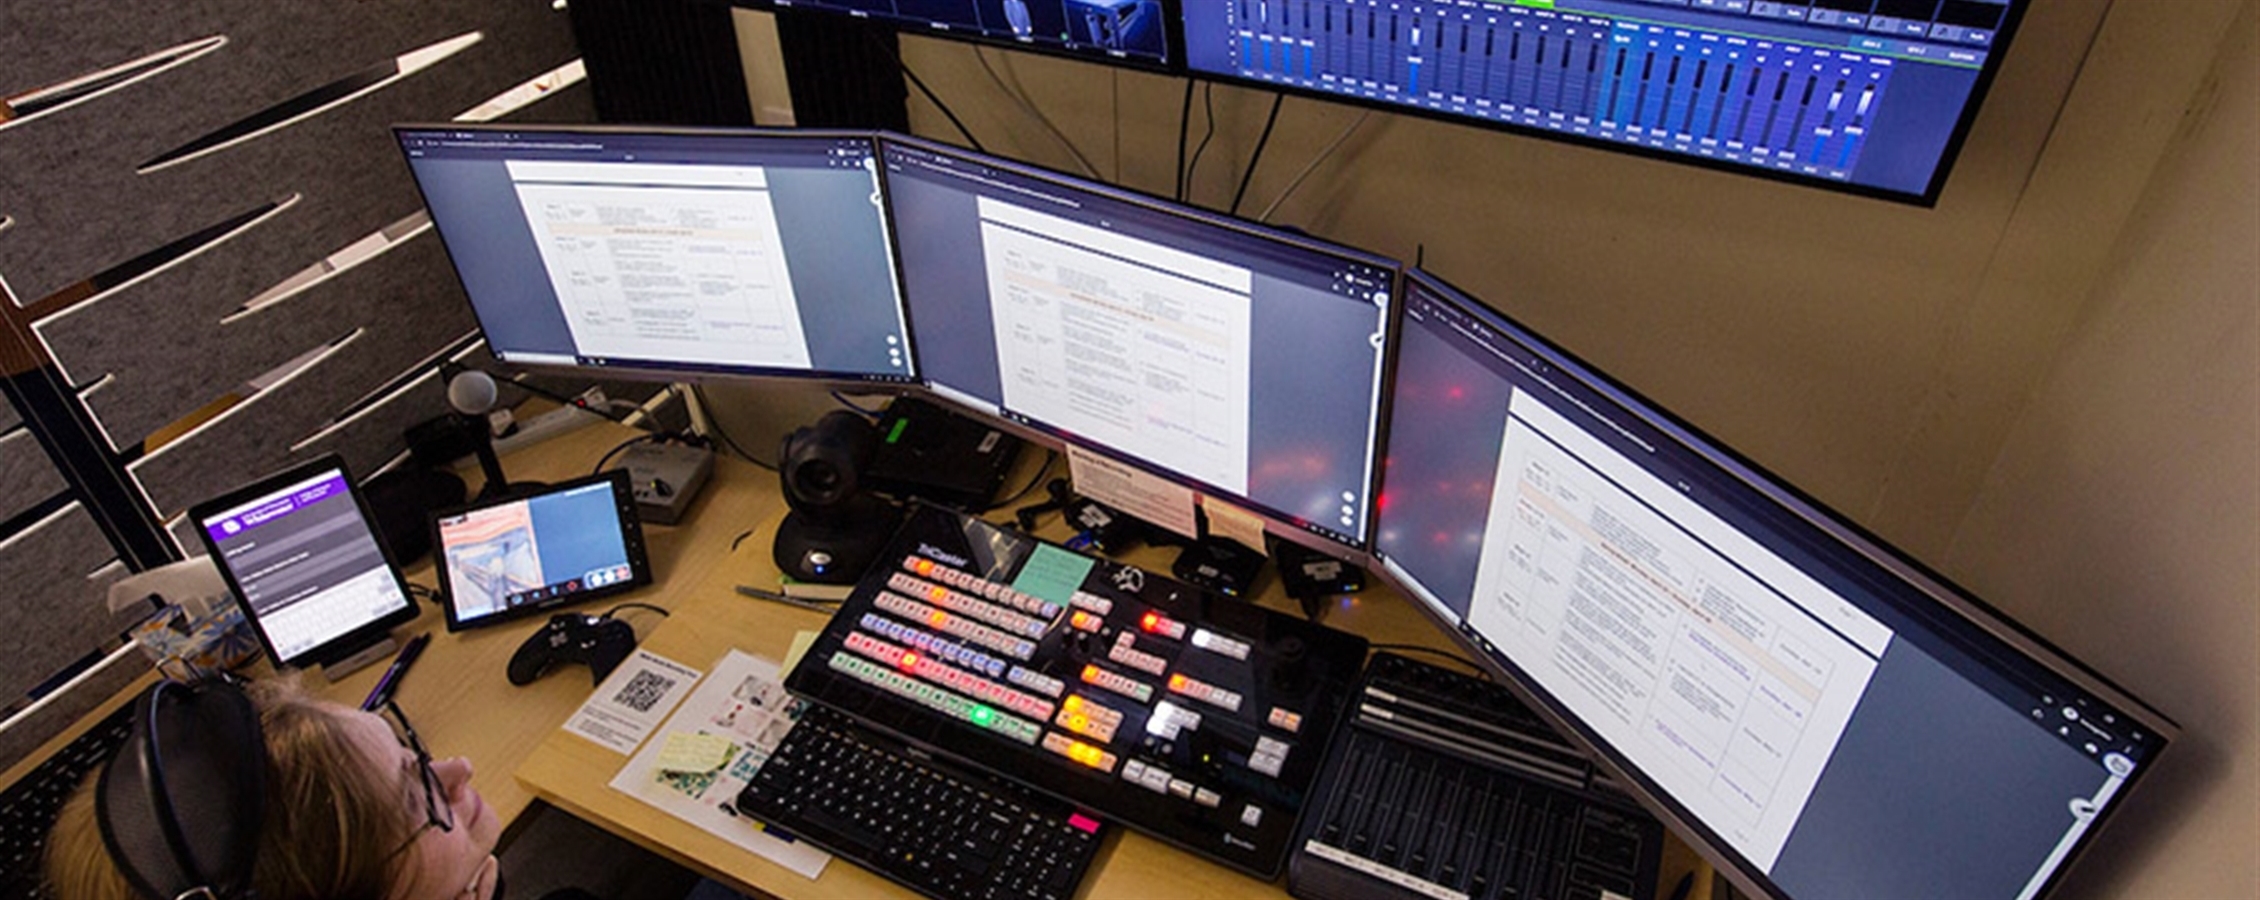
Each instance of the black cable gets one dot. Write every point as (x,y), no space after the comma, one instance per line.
(1257,156)
(1184,130)
(1051,458)
(853,406)
(1208,107)
(623,445)
(1479,671)
(740,539)
(727,440)
(608,613)
(904,68)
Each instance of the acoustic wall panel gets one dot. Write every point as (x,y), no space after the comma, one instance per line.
(65,561)
(27,476)
(395,311)
(73,181)
(222,153)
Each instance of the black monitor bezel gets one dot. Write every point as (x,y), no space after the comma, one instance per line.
(1952,604)
(1171,63)
(344,645)
(1948,156)
(657,370)
(627,522)
(1277,524)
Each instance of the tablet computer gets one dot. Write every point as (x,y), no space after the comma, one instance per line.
(301,551)
(570,542)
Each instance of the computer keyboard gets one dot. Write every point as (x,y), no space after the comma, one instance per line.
(1443,785)
(943,832)
(28,807)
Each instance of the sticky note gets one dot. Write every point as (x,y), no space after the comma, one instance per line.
(1228,521)
(1052,574)
(693,752)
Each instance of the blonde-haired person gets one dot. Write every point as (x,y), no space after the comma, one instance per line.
(356,809)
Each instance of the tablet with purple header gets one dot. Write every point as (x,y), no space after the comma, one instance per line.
(302,554)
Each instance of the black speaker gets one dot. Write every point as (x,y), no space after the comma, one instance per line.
(836,527)
(403,501)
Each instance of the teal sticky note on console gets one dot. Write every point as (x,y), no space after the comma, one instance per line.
(1052,574)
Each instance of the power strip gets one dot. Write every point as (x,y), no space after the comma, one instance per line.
(564,419)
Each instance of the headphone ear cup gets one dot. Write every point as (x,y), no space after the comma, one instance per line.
(182,804)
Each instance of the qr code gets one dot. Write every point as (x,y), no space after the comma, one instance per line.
(644,690)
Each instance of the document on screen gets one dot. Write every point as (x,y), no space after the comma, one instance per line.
(1129,343)
(1724,673)
(672,262)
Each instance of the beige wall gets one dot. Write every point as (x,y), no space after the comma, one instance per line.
(2122,517)
(1982,383)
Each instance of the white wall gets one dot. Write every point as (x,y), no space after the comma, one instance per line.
(1965,380)
(2122,517)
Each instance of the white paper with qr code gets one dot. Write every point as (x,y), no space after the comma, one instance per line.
(742,702)
(641,692)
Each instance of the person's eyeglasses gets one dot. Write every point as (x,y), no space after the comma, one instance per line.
(438,813)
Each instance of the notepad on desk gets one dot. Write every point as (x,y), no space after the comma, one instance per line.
(701,756)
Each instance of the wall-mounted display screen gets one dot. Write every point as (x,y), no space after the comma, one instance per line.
(1868,96)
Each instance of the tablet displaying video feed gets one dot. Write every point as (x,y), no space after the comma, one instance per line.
(575,541)
(301,552)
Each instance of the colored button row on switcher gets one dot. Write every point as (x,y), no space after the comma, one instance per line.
(946,649)
(934,671)
(934,698)
(959,626)
(965,604)
(981,587)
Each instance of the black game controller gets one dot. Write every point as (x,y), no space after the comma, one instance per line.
(599,642)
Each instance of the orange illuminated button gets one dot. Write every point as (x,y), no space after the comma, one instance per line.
(1156,623)
(1128,687)
(1079,751)
(1096,721)
(1204,692)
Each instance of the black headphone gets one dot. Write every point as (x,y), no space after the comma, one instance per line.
(182,804)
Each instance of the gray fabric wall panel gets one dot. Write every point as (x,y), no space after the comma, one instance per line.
(54,613)
(27,476)
(157,347)
(170,354)
(20,741)
(53,173)
(414,306)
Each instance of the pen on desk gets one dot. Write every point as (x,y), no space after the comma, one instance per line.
(391,679)
(779,597)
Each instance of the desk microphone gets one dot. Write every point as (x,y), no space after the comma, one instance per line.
(472,393)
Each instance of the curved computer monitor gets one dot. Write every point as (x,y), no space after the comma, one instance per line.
(1867,96)
(1240,362)
(669,253)
(1820,714)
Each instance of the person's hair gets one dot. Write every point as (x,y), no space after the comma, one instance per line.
(333,819)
